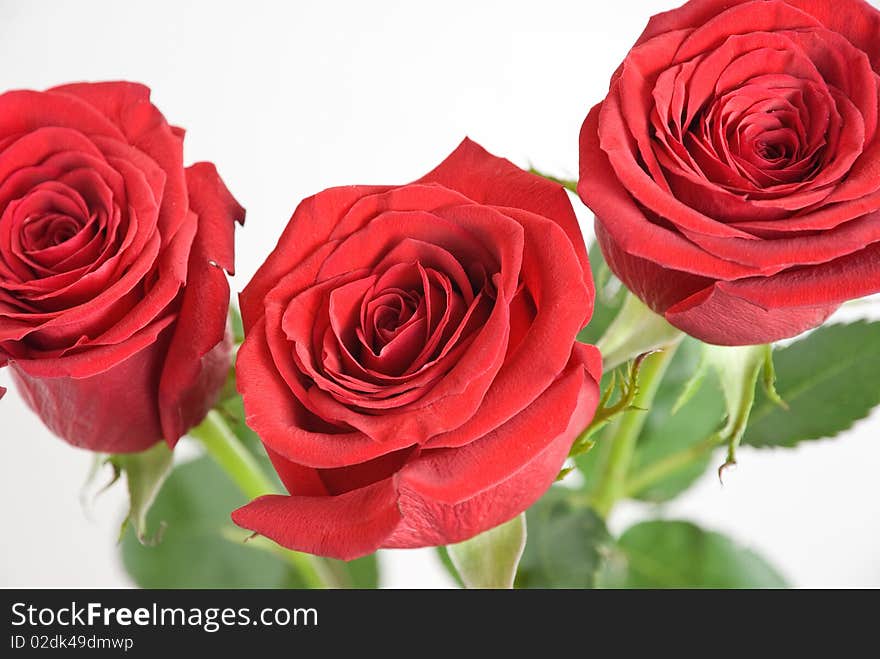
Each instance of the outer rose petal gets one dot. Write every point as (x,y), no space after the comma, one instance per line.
(545,349)
(282,422)
(310,227)
(346,526)
(488,179)
(780,306)
(457,475)
(718,317)
(855,19)
(658,286)
(112,412)
(22,111)
(201,349)
(440,497)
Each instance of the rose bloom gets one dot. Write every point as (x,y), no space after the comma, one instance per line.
(410,359)
(113,299)
(734,167)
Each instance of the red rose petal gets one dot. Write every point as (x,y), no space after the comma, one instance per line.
(452,518)
(718,317)
(84,411)
(345,527)
(308,230)
(626,222)
(488,179)
(200,351)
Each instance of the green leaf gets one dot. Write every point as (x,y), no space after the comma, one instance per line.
(490,559)
(566,544)
(669,554)
(145,472)
(610,294)
(829,380)
(195,504)
(671,452)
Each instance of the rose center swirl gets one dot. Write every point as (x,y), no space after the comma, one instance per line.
(386,337)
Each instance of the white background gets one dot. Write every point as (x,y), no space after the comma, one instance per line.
(291,98)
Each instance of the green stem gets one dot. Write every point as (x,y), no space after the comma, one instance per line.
(623,432)
(238,463)
(244,470)
(306,566)
(656,472)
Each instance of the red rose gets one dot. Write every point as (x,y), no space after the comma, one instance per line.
(113,298)
(734,167)
(409,360)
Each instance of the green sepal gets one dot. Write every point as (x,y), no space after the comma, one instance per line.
(490,559)
(145,472)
